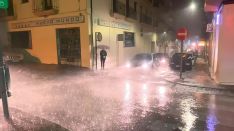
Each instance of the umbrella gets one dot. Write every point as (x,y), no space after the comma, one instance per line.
(103,47)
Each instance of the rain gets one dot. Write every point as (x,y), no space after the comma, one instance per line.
(77,99)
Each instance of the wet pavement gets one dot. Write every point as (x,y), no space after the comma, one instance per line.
(113,100)
(198,77)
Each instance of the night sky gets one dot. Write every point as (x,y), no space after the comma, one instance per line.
(176,14)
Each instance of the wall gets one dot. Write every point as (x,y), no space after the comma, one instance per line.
(226,46)
(118,54)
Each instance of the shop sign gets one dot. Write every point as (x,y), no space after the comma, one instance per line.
(3,4)
(98,36)
(112,24)
(209,28)
(49,22)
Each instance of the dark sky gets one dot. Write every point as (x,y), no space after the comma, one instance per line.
(177,14)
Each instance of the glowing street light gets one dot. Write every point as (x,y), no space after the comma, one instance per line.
(193,6)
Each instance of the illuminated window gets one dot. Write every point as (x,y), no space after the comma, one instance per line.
(21,39)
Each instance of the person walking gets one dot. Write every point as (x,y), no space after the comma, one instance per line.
(195,56)
(103,55)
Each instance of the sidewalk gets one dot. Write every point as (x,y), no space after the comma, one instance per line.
(21,121)
(198,77)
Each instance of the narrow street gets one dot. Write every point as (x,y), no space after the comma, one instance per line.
(118,99)
(116,65)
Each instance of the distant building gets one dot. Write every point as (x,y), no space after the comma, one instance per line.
(59,31)
(221,54)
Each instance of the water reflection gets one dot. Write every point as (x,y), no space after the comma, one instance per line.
(211,121)
(127,92)
(144,99)
(188,116)
(127,109)
(162,96)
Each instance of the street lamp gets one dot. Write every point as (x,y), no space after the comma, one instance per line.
(192,6)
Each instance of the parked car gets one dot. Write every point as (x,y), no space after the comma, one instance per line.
(143,60)
(192,58)
(160,59)
(175,61)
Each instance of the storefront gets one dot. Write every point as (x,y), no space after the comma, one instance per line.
(221,44)
(56,40)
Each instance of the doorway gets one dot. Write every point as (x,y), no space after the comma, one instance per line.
(68,43)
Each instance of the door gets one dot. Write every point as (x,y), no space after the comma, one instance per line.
(69,51)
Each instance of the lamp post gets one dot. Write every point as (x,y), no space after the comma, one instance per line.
(3,86)
(4,72)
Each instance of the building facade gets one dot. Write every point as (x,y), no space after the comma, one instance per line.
(221,42)
(126,26)
(63,31)
(51,31)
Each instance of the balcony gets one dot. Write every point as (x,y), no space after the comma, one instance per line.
(146,19)
(119,8)
(45,7)
(131,13)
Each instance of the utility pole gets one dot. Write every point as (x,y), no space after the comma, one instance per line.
(182,34)
(3,87)
(3,71)
(92,41)
(181,58)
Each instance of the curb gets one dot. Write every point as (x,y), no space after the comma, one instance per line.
(199,86)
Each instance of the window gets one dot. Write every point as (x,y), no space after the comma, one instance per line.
(24,1)
(129,39)
(141,10)
(21,39)
(47,4)
(135,6)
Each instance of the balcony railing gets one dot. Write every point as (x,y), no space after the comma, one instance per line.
(131,13)
(119,7)
(45,7)
(146,19)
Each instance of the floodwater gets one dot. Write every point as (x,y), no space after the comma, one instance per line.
(113,100)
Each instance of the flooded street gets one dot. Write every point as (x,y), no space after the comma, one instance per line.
(117,99)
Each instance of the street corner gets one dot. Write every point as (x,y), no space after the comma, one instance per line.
(22,121)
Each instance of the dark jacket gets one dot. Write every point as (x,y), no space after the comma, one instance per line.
(103,54)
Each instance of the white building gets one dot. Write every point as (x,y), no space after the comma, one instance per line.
(222,41)
(132,19)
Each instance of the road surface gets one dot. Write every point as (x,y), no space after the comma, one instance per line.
(116,100)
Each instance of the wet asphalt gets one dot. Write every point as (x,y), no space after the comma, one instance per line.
(117,100)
